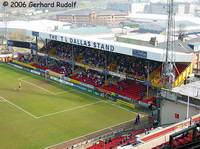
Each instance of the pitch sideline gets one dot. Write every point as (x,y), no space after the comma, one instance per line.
(87,134)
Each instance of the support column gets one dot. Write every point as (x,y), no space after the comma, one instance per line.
(73,59)
(148,79)
(36,52)
(198,63)
(46,42)
(106,71)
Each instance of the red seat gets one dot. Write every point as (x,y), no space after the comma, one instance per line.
(128,88)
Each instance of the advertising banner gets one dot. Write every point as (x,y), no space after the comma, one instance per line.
(23,64)
(75,81)
(124,98)
(55,74)
(35,72)
(17,66)
(87,85)
(80,87)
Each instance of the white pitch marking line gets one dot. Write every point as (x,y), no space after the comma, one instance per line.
(77,90)
(141,115)
(69,89)
(19,107)
(88,134)
(1,99)
(101,99)
(62,92)
(23,78)
(75,108)
(119,107)
(38,87)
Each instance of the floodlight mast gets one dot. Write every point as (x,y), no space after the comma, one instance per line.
(168,73)
(5,26)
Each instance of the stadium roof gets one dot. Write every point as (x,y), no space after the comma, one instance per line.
(179,46)
(191,89)
(142,51)
(194,40)
(87,30)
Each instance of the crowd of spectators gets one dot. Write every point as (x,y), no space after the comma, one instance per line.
(129,65)
(25,58)
(84,55)
(53,65)
(64,51)
(132,66)
(51,44)
(136,67)
(90,77)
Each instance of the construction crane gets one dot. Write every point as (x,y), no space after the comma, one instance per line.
(168,69)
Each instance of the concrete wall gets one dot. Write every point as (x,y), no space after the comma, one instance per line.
(169,108)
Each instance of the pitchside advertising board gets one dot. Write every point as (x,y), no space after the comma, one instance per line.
(93,44)
(20,44)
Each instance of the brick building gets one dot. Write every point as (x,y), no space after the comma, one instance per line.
(93,17)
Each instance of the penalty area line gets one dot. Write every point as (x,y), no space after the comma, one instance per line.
(1,99)
(38,86)
(18,107)
(75,108)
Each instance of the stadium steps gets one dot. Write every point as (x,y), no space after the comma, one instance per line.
(181,74)
(149,100)
(112,67)
(128,88)
(79,58)
(52,52)
(130,138)
(184,72)
(155,77)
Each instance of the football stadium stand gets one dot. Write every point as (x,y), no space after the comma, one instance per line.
(122,71)
(97,67)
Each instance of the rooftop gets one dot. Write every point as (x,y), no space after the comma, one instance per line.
(86,12)
(143,39)
(194,40)
(87,30)
(106,36)
(191,89)
(41,25)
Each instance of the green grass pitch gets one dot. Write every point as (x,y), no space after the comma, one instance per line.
(43,113)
